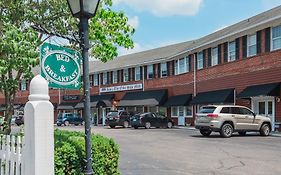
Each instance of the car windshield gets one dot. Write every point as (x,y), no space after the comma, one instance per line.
(207,109)
(60,116)
(113,113)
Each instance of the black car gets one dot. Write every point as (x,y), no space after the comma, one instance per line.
(118,118)
(149,120)
(19,120)
(69,118)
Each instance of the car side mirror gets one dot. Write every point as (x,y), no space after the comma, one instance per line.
(254,114)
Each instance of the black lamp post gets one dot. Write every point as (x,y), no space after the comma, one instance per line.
(84,10)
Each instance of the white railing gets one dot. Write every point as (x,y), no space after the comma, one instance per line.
(11,155)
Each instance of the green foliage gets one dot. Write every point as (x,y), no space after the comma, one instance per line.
(70,154)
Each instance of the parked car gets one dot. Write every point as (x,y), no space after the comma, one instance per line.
(227,119)
(69,118)
(19,120)
(118,118)
(150,119)
(13,120)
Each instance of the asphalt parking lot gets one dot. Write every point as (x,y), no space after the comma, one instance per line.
(183,151)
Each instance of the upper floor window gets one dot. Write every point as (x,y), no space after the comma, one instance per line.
(114,77)
(23,85)
(104,78)
(150,72)
(137,73)
(126,75)
(231,51)
(164,70)
(276,37)
(182,65)
(176,67)
(252,45)
(214,57)
(96,79)
(200,60)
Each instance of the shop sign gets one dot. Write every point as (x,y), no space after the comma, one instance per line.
(71,97)
(60,66)
(121,88)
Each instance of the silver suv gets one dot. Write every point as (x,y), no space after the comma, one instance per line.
(227,119)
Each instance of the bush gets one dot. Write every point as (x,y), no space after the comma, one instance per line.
(70,154)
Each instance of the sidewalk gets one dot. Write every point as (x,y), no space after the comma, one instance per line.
(274,134)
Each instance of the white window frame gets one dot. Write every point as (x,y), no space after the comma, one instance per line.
(230,52)
(251,45)
(184,111)
(125,75)
(201,61)
(104,78)
(163,69)
(115,77)
(137,73)
(96,79)
(150,70)
(177,111)
(271,38)
(214,56)
(185,68)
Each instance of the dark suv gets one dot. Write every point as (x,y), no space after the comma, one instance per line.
(69,118)
(118,118)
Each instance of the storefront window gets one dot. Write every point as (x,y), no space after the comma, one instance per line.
(188,111)
(261,107)
(131,109)
(139,109)
(174,111)
(162,111)
(153,109)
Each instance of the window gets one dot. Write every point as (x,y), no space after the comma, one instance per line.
(207,109)
(137,73)
(252,45)
(153,109)
(188,111)
(96,79)
(139,109)
(163,69)
(174,111)
(23,85)
(225,110)
(200,60)
(231,51)
(104,76)
(114,77)
(245,111)
(176,67)
(150,72)
(276,37)
(182,66)
(162,111)
(214,57)
(125,75)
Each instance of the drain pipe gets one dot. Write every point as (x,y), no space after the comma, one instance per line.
(194,110)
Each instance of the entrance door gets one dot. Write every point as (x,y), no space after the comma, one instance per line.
(181,118)
(265,107)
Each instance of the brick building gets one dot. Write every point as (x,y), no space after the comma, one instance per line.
(239,64)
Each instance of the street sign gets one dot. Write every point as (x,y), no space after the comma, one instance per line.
(60,66)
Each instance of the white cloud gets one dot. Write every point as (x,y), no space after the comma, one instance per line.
(268,4)
(164,7)
(134,21)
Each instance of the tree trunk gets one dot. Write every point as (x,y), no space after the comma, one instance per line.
(9,100)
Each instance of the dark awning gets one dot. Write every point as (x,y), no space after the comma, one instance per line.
(104,100)
(67,106)
(144,98)
(214,97)
(179,100)
(272,89)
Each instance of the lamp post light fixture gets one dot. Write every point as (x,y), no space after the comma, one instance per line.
(84,10)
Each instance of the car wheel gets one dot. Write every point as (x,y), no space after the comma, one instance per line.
(83,123)
(125,124)
(66,123)
(112,126)
(242,133)
(265,130)
(147,125)
(169,125)
(136,127)
(58,124)
(205,133)
(226,130)
(76,124)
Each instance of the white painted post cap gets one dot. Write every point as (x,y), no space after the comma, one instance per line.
(39,89)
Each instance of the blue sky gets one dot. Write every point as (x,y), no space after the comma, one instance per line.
(163,22)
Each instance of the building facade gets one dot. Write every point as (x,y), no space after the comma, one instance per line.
(240,64)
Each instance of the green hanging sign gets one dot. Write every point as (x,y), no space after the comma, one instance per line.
(60,66)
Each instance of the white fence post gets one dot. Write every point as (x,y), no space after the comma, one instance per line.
(38,150)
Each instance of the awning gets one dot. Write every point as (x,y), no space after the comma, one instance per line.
(272,89)
(214,97)
(144,98)
(67,106)
(179,100)
(96,101)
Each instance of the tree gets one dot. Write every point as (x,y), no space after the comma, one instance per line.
(19,43)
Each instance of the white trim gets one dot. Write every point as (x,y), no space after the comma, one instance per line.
(271,38)
(228,52)
(248,46)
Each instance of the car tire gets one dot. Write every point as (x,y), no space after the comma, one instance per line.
(147,125)
(112,126)
(136,127)
(265,130)
(242,133)
(125,124)
(66,123)
(58,124)
(226,130)
(205,133)
(169,125)
(82,123)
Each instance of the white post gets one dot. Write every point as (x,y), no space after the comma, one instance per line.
(38,150)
